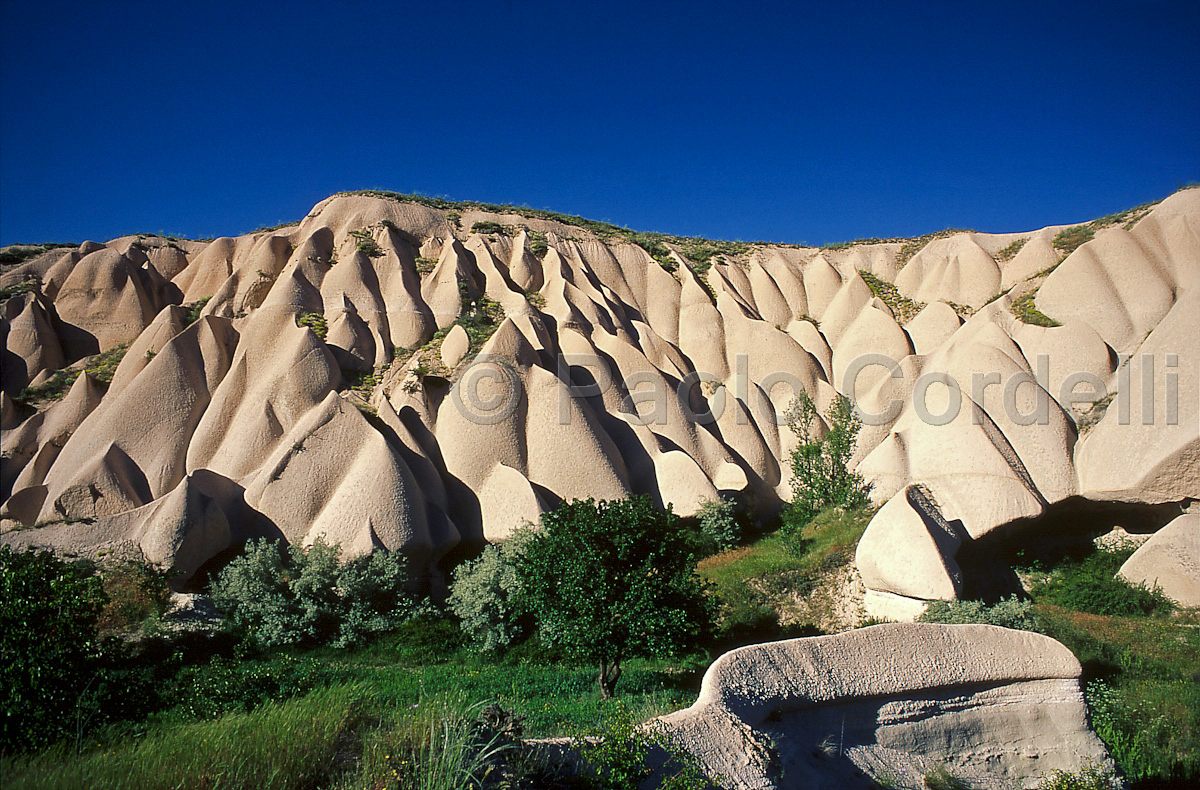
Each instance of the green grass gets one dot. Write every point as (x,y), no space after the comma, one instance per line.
(291,744)
(905,309)
(102,367)
(754,582)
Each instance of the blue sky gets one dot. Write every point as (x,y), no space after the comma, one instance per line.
(796,122)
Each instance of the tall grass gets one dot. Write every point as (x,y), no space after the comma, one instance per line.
(284,745)
(439,745)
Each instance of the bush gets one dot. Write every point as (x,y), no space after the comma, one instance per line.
(485,594)
(820,474)
(719,523)
(489,227)
(1070,239)
(1007,613)
(307,597)
(315,322)
(136,592)
(48,644)
(1093,586)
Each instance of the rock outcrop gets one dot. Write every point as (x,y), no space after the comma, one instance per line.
(390,378)
(993,707)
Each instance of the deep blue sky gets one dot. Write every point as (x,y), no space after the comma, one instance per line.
(781,121)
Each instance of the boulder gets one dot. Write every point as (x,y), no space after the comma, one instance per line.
(995,707)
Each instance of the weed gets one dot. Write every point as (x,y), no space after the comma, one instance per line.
(425,265)
(454,218)
(29,285)
(1069,239)
(940,778)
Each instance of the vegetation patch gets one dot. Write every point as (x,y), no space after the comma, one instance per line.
(28,285)
(487,227)
(364,240)
(1070,239)
(425,265)
(904,308)
(912,246)
(1023,309)
(19,253)
(102,367)
(1009,252)
(315,322)
(192,310)
(538,244)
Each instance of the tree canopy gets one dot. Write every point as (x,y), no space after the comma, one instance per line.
(612,580)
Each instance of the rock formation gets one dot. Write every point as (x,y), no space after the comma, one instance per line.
(396,375)
(992,707)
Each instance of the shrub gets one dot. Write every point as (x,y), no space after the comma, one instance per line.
(308,597)
(425,265)
(490,227)
(608,581)
(538,244)
(821,477)
(905,309)
(485,594)
(1093,586)
(1008,613)
(136,592)
(719,523)
(365,242)
(315,322)
(48,647)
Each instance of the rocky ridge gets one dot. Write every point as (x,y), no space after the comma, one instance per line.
(397,375)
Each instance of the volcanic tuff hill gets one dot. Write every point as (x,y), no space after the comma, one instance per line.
(325,378)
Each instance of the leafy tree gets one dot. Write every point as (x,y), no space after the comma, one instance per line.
(821,476)
(48,646)
(612,580)
(485,594)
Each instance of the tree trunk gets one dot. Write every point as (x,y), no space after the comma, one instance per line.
(610,673)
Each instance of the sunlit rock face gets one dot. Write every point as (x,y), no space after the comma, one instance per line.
(397,376)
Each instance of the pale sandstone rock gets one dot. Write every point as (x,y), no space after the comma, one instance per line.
(901,697)
(1170,559)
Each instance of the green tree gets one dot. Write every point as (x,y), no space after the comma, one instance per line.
(821,476)
(612,580)
(48,647)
